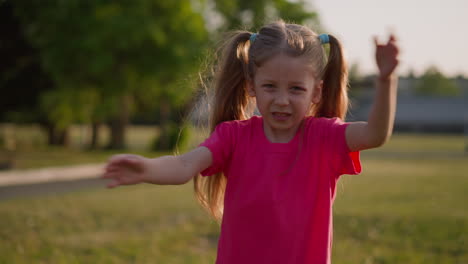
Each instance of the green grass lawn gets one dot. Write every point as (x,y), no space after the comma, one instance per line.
(400,145)
(52,157)
(401,209)
(31,151)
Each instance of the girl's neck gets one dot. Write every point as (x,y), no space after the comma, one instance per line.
(279,136)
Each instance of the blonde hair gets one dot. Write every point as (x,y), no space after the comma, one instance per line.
(239,59)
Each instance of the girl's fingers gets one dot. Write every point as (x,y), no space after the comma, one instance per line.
(113,184)
(111,168)
(123,169)
(126,160)
(110,175)
(376,42)
(117,163)
(117,157)
(391,41)
(130,161)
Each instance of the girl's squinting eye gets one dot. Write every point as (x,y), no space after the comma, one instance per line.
(297,88)
(268,85)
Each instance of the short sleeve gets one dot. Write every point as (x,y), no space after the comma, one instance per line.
(344,160)
(220,144)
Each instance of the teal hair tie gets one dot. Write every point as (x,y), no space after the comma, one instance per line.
(324,38)
(253,37)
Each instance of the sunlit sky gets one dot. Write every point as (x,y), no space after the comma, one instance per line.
(430,32)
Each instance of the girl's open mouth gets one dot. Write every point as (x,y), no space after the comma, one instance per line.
(281,116)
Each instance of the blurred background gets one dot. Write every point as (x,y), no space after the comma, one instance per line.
(82,80)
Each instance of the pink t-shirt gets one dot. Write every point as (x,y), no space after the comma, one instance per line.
(279,196)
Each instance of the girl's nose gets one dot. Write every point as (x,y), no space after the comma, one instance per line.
(282,99)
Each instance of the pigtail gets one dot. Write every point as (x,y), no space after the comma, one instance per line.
(231,98)
(334,101)
(230,102)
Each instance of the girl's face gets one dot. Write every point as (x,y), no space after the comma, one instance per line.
(285,89)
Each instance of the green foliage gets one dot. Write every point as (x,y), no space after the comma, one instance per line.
(63,107)
(99,51)
(22,79)
(295,11)
(356,80)
(434,83)
(253,14)
(57,104)
(112,43)
(172,138)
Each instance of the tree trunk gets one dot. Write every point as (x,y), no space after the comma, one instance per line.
(94,135)
(51,131)
(57,137)
(164,137)
(119,124)
(64,137)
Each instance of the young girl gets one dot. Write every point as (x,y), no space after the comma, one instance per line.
(272,178)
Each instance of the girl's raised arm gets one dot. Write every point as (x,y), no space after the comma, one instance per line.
(126,169)
(378,129)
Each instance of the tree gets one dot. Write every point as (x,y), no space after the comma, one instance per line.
(434,83)
(22,77)
(253,14)
(114,50)
(106,59)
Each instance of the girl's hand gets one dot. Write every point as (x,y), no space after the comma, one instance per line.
(126,169)
(386,57)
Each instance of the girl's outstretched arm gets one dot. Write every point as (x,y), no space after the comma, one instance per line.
(126,169)
(378,129)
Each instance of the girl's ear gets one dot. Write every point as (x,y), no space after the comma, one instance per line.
(250,88)
(317,93)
